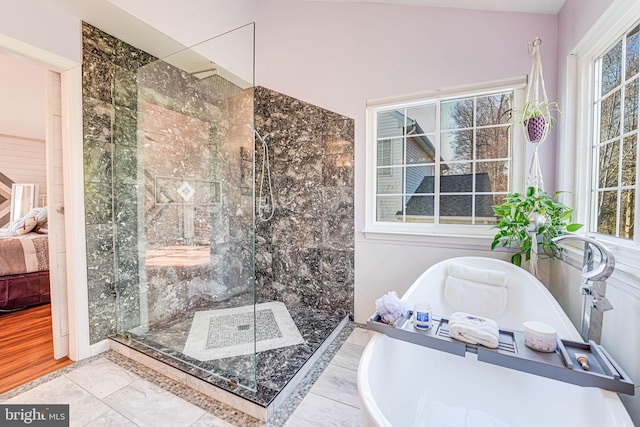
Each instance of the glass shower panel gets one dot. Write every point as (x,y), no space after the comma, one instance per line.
(183,206)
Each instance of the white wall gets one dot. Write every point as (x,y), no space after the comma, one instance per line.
(22,122)
(196,21)
(36,24)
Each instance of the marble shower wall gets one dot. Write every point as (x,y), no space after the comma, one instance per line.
(108,150)
(305,253)
(149,128)
(192,134)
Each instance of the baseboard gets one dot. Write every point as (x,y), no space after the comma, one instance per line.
(99,347)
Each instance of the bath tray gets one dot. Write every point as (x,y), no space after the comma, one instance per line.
(512,353)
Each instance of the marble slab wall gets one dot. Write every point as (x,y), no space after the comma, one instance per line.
(150,131)
(108,148)
(305,252)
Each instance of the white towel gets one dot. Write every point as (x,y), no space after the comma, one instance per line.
(474,329)
(476,290)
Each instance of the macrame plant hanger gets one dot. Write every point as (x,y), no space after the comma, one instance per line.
(536,124)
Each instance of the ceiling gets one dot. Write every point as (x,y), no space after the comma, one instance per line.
(109,16)
(526,6)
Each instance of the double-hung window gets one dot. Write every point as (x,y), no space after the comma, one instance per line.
(606,173)
(441,162)
(614,146)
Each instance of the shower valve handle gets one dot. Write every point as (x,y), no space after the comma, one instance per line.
(601,304)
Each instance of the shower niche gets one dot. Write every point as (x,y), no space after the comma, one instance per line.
(199,277)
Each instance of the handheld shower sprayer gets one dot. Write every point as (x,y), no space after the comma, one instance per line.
(266,204)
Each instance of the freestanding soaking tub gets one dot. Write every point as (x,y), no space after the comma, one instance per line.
(403,384)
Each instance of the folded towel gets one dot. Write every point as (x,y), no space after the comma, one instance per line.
(474,329)
(476,290)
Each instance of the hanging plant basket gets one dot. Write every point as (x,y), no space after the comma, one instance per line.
(536,128)
(537,119)
(529,222)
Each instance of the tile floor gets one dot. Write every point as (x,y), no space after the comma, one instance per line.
(102,392)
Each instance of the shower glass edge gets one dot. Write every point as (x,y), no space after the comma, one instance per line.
(183,207)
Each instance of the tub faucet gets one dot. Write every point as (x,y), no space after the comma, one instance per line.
(595,273)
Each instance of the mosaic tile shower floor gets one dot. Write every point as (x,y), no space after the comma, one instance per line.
(274,368)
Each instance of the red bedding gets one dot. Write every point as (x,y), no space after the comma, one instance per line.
(24,270)
(24,290)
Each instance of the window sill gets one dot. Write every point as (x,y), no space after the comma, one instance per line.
(479,241)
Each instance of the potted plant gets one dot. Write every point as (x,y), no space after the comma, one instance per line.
(534,211)
(537,118)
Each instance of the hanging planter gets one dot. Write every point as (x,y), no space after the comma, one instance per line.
(537,118)
(528,222)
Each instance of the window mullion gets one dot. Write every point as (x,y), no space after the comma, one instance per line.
(436,173)
(404,166)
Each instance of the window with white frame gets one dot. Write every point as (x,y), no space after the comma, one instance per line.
(615,138)
(441,161)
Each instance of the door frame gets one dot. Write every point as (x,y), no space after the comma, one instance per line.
(69,297)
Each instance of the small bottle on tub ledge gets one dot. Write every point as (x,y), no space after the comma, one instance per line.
(422,316)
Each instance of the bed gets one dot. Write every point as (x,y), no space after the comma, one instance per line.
(24,268)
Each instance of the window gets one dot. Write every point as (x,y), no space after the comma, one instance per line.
(441,161)
(615,138)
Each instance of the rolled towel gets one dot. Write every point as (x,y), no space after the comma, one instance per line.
(474,329)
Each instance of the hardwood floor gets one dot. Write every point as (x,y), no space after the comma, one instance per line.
(26,347)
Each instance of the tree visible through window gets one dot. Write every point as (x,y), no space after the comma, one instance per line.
(450,171)
(615,146)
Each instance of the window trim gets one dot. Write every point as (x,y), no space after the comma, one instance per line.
(616,21)
(471,233)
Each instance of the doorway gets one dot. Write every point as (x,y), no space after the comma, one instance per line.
(30,143)
(64,189)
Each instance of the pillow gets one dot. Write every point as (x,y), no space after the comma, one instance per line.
(475,290)
(42,230)
(24,225)
(42,219)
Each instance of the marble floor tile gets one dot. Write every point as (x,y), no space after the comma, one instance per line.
(83,406)
(111,419)
(339,384)
(360,336)
(148,405)
(319,411)
(348,356)
(101,377)
(210,420)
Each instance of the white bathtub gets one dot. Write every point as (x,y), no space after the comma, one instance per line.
(402,384)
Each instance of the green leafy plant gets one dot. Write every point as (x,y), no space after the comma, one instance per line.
(533,109)
(520,212)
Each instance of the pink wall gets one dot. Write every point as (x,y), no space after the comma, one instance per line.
(22,97)
(339,55)
(574,20)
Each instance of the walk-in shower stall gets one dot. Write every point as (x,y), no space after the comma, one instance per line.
(186,207)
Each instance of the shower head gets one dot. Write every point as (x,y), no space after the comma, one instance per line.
(209,72)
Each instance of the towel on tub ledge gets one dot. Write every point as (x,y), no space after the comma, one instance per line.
(474,329)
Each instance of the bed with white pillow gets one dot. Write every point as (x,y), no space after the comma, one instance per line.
(24,262)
